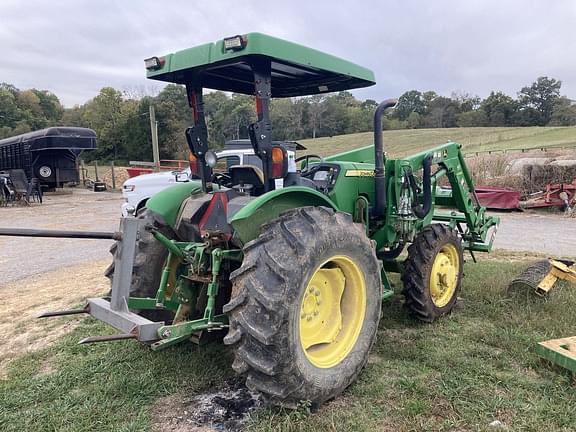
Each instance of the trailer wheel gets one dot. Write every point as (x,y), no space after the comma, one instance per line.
(45,171)
(305,306)
(148,264)
(432,273)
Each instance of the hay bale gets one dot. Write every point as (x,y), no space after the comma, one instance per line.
(567,163)
(517,167)
(536,177)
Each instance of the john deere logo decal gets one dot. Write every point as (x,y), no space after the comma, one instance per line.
(360,173)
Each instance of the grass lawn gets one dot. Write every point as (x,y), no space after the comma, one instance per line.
(405,142)
(461,373)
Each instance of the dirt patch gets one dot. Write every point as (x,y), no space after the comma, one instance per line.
(22,301)
(224,409)
(511,256)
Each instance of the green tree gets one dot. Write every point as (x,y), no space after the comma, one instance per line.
(136,133)
(564,113)
(442,113)
(240,111)
(216,105)
(541,96)
(414,120)
(410,102)
(286,115)
(26,110)
(500,109)
(316,110)
(9,113)
(335,119)
(474,118)
(174,115)
(50,106)
(466,101)
(104,114)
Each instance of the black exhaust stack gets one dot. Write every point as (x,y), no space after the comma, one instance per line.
(379,178)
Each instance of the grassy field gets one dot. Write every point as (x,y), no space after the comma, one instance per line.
(405,142)
(469,369)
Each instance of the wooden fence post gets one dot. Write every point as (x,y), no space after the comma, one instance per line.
(113,176)
(82,169)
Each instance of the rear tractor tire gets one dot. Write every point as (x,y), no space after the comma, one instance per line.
(432,273)
(305,306)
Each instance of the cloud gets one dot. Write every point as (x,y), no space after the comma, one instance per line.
(75,47)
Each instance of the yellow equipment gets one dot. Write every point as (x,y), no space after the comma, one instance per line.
(542,276)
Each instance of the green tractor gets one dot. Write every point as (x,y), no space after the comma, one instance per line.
(289,261)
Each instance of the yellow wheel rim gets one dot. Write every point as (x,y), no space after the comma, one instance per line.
(332,311)
(444,275)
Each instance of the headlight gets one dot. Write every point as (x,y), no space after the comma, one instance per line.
(128,188)
(154,63)
(235,43)
(211,158)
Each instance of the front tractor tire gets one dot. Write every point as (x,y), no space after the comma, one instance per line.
(305,306)
(432,273)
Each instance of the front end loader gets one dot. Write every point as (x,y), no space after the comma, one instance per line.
(289,262)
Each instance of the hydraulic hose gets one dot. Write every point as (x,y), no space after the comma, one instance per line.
(421,210)
(379,177)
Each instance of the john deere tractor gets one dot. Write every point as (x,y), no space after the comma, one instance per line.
(289,261)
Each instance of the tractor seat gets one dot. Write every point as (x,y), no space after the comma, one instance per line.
(249,178)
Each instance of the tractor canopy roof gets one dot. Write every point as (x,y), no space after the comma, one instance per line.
(226,65)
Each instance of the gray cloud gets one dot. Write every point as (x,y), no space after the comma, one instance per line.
(75,47)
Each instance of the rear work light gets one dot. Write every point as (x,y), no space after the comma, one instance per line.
(235,43)
(279,162)
(154,63)
(193,161)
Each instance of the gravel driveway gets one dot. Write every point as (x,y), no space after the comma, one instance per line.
(80,210)
(86,210)
(550,234)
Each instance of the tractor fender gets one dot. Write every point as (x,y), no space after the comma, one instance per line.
(248,220)
(165,205)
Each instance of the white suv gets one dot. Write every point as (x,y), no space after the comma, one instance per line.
(137,190)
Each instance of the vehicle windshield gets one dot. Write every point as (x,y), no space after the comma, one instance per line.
(225,162)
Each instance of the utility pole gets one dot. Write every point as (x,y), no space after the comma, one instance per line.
(154,131)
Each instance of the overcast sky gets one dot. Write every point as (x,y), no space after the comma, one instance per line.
(75,47)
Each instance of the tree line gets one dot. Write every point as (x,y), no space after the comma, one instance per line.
(121,119)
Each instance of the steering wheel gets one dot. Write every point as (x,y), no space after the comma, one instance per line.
(307,170)
(221,178)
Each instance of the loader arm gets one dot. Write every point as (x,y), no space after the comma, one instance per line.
(413,203)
